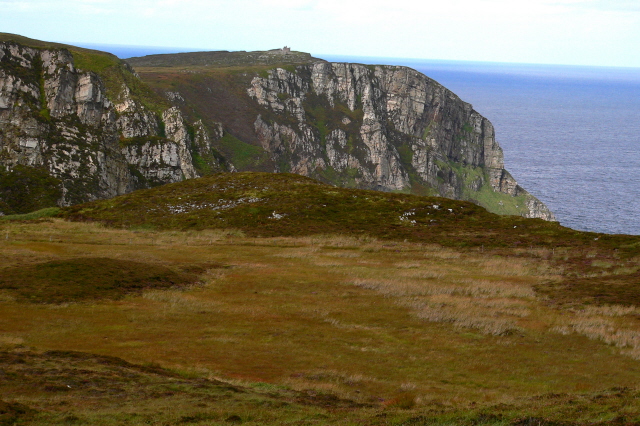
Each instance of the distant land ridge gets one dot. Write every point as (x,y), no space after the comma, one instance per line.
(78,125)
(222,58)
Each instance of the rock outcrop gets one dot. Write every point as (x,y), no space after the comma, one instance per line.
(63,119)
(91,123)
(387,128)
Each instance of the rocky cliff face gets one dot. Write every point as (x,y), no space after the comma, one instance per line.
(96,130)
(62,119)
(387,128)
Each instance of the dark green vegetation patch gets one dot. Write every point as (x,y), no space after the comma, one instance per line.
(25,189)
(614,289)
(94,389)
(268,204)
(11,413)
(84,279)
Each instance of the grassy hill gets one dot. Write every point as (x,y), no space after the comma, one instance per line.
(257,298)
(267,204)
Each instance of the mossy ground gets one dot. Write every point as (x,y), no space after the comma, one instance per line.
(267,204)
(79,279)
(25,189)
(242,155)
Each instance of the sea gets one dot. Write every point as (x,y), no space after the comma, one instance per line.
(570,134)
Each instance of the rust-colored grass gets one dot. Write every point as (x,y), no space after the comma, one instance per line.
(398,326)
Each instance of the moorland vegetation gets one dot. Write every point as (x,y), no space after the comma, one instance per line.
(256,298)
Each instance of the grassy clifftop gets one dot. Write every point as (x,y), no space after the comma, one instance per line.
(114,72)
(325,319)
(222,59)
(40,44)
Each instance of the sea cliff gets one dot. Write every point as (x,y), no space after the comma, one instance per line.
(387,128)
(89,131)
(98,129)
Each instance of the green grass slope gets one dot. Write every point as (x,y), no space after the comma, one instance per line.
(324,329)
(267,204)
(106,390)
(109,390)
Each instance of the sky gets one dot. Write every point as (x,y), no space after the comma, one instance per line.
(570,32)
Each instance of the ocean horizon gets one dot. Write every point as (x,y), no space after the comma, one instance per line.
(570,134)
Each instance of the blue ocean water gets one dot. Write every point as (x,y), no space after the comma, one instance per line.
(571,135)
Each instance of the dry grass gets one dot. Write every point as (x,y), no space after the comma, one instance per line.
(443,292)
(297,253)
(608,311)
(373,321)
(179,301)
(615,325)
(10,341)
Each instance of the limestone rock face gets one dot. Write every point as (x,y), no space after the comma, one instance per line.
(383,127)
(57,117)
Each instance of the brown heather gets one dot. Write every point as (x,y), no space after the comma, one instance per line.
(316,318)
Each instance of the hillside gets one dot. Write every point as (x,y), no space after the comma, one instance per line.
(374,127)
(267,204)
(164,291)
(78,125)
(262,298)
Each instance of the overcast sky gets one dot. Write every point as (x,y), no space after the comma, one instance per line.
(573,32)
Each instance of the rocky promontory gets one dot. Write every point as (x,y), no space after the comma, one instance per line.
(100,127)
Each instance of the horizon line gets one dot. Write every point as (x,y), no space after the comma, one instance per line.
(173,50)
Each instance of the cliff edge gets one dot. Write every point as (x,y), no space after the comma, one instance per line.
(96,128)
(85,119)
(387,128)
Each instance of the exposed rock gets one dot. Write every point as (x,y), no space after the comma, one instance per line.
(389,128)
(377,113)
(56,117)
(134,121)
(177,132)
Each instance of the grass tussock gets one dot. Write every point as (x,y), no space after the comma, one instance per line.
(606,331)
(614,325)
